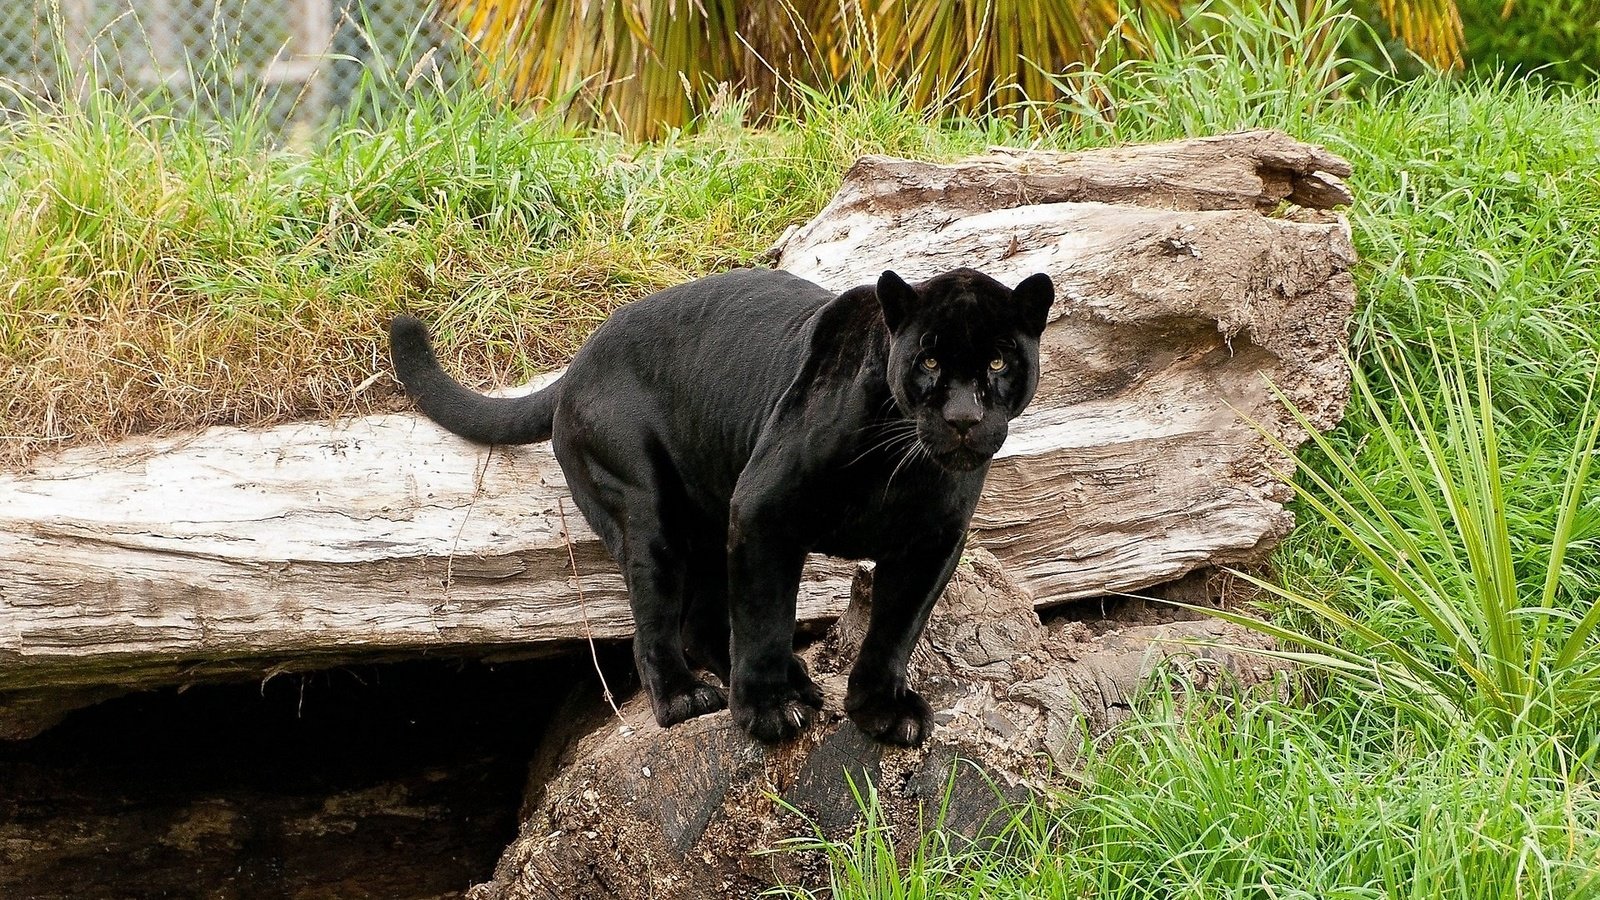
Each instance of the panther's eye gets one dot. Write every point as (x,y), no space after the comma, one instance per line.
(997,364)
(931,364)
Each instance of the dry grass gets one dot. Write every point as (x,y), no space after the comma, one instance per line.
(157,358)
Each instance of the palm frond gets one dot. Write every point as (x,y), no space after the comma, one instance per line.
(1429,28)
(646,66)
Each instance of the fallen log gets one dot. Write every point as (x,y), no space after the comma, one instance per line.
(1189,275)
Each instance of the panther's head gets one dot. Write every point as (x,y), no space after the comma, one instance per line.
(964,358)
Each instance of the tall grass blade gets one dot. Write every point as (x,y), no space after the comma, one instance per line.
(1459,574)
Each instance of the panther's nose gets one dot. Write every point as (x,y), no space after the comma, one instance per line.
(963,424)
(962,411)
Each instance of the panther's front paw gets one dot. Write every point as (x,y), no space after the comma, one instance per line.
(773,719)
(696,699)
(899,716)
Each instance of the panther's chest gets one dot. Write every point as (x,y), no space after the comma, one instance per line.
(873,520)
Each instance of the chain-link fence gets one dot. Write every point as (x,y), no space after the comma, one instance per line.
(296,60)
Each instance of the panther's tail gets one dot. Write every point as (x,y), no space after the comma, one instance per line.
(487,420)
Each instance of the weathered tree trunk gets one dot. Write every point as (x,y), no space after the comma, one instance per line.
(1187,280)
(618,807)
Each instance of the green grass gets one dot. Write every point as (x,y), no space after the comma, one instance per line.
(161,273)
(1508,641)
(1268,801)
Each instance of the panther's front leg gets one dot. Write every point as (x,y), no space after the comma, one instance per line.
(904,589)
(772,697)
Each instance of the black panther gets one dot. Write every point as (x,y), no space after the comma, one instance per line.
(716,432)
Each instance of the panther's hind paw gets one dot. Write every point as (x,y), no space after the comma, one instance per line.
(696,700)
(800,681)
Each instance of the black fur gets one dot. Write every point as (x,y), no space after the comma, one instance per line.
(716,432)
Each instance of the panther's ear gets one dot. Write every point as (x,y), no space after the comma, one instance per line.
(897,299)
(1034,296)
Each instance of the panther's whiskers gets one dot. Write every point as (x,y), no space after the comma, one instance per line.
(902,431)
(910,453)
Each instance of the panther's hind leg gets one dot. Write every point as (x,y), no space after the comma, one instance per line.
(706,631)
(705,614)
(624,508)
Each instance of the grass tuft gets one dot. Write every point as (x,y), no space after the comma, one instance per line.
(1508,644)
